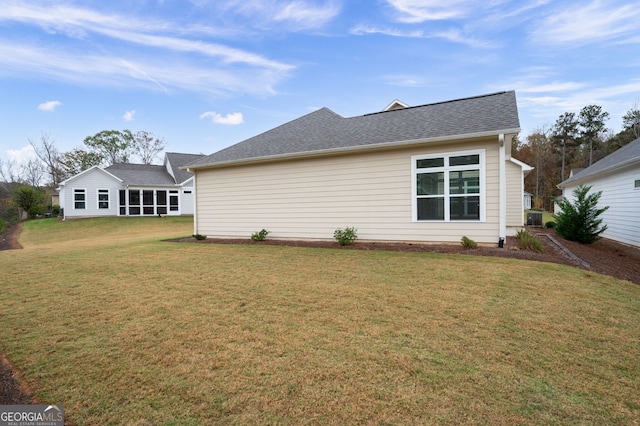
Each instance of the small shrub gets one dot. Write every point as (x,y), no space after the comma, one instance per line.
(528,241)
(345,236)
(2,226)
(199,237)
(468,243)
(260,235)
(55,210)
(550,224)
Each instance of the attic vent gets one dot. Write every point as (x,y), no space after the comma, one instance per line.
(396,104)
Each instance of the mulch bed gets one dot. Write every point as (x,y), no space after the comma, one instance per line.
(604,256)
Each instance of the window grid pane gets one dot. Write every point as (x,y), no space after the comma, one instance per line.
(430,183)
(451,190)
(464,182)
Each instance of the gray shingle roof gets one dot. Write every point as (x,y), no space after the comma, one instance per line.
(178,160)
(629,153)
(326,131)
(141,174)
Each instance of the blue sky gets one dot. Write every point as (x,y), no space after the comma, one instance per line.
(207,74)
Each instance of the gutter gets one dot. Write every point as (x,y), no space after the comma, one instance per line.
(350,149)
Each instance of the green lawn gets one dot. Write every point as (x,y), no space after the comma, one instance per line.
(121,327)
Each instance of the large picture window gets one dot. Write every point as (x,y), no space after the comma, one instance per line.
(449,187)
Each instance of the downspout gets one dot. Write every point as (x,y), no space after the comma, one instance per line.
(195,202)
(503,192)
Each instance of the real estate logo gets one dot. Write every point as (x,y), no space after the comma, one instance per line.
(31,415)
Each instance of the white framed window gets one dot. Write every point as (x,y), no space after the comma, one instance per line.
(79,198)
(103,198)
(449,187)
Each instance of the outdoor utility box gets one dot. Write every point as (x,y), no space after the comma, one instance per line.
(534,218)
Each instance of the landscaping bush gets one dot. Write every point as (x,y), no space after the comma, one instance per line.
(579,221)
(199,237)
(550,224)
(468,243)
(528,241)
(260,235)
(345,236)
(36,210)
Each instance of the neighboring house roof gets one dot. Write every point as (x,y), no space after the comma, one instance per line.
(89,170)
(324,131)
(141,174)
(177,160)
(627,155)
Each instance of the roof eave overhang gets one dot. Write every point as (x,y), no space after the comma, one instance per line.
(350,149)
(603,172)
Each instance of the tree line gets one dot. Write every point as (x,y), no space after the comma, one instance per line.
(27,185)
(573,142)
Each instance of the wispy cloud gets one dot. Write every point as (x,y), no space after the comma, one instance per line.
(458,36)
(305,15)
(232,119)
(195,64)
(364,29)
(416,11)
(129,115)
(49,106)
(595,21)
(297,15)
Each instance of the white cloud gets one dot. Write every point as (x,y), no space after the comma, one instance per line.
(231,119)
(591,22)
(21,156)
(129,115)
(49,106)
(416,11)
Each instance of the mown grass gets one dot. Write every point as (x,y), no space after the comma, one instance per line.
(123,328)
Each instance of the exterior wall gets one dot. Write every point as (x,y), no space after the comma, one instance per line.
(623,198)
(187,200)
(311,198)
(90,182)
(94,180)
(515,197)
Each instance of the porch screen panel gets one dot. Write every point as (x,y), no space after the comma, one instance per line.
(147,202)
(161,200)
(134,202)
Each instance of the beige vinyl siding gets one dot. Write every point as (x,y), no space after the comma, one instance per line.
(311,198)
(515,194)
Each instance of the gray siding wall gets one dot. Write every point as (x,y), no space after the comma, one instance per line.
(623,199)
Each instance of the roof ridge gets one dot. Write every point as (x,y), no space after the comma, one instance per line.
(439,103)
